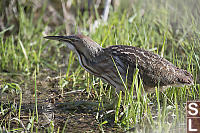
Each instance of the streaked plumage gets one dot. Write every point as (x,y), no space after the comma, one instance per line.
(153,69)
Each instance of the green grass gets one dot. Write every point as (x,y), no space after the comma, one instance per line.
(25,54)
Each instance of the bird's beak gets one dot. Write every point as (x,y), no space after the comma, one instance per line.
(69,39)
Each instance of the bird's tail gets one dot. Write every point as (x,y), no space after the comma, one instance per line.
(185,77)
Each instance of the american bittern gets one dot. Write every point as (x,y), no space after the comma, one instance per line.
(111,62)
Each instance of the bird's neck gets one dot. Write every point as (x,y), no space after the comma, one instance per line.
(93,51)
(97,56)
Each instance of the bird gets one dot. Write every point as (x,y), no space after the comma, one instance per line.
(117,64)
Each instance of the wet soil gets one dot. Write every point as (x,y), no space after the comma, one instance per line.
(76,110)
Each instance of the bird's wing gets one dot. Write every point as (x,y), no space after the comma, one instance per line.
(153,69)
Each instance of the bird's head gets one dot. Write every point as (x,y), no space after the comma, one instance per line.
(79,43)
